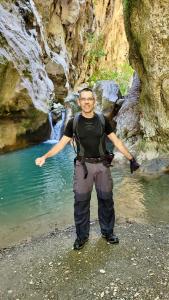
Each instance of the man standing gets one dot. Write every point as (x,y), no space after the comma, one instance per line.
(91,166)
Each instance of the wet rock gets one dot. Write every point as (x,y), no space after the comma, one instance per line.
(155,166)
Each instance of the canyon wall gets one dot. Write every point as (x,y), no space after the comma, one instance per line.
(48,48)
(147,28)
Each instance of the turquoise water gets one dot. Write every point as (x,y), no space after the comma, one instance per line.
(35,200)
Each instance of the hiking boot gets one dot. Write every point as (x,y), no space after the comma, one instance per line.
(79,244)
(111,238)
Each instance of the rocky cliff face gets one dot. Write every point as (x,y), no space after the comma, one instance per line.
(20,123)
(147,27)
(43,46)
(90,33)
(110,24)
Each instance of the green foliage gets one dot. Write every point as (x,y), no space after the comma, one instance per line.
(2,40)
(126,4)
(96,48)
(121,77)
(3,60)
(25,123)
(95,2)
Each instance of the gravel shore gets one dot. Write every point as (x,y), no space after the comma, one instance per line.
(48,267)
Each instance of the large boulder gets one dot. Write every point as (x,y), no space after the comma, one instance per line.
(108,94)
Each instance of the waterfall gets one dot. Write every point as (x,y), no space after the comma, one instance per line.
(22,48)
(57,129)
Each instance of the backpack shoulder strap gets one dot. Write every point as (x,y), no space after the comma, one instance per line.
(102,121)
(102,139)
(76,135)
(75,122)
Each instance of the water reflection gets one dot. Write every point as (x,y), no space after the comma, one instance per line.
(130,200)
(156,197)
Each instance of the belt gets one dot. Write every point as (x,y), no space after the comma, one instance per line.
(107,159)
(92,160)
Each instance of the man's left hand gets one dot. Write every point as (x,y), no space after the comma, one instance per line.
(133,165)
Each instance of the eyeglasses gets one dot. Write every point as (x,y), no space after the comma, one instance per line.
(86,99)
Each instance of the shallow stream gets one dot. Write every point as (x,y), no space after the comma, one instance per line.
(35,200)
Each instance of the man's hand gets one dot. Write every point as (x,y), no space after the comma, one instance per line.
(55,149)
(133,165)
(40,161)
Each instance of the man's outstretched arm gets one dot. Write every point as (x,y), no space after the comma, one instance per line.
(119,145)
(56,149)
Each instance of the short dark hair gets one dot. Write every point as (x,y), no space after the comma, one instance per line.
(87,89)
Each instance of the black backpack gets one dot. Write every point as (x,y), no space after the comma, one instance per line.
(76,138)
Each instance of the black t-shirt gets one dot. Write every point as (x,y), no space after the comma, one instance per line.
(89,133)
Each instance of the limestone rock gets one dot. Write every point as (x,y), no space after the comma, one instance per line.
(70,11)
(20,123)
(110,23)
(128,116)
(147,27)
(107,92)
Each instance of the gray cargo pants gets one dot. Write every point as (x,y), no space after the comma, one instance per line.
(101,176)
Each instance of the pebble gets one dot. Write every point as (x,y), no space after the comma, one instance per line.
(31,282)
(136,294)
(102,295)
(102,271)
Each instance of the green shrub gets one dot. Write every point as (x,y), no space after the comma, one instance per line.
(96,50)
(121,77)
